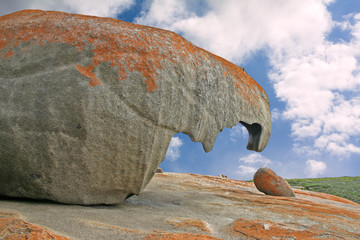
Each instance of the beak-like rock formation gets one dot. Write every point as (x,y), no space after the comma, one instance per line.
(88,105)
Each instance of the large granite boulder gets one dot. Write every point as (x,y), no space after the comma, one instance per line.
(88,105)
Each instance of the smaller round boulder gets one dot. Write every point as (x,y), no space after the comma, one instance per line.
(270,183)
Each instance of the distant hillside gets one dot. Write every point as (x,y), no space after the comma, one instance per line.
(346,187)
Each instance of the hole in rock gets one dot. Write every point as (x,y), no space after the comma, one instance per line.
(186,156)
(254,135)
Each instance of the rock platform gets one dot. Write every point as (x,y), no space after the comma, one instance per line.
(188,206)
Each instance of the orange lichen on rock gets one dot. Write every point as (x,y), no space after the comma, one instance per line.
(260,229)
(326,196)
(242,80)
(126,46)
(270,183)
(9,54)
(217,184)
(12,227)
(88,72)
(324,215)
(190,223)
(178,236)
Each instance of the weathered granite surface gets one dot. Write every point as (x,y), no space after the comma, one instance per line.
(88,105)
(178,206)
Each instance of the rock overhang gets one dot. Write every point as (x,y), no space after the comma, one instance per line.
(119,72)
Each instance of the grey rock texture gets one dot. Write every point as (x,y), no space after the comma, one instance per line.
(88,105)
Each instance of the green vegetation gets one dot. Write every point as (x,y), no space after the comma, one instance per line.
(346,187)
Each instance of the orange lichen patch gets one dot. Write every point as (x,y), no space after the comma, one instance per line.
(326,196)
(301,207)
(87,72)
(9,54)
(189,223)
(243,82)
(347,221)
(178,236)
(12,227)
(127,47)
(270,183)
(225,191)
(312,209)
(259,229)
(321,211)
(220,185)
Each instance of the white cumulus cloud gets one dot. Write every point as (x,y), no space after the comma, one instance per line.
(250,163)
(314,168)
(238,131)
(234,29)
(255,159)
(173,152)
(103,8)
(246,171)
(275,114)
(321,88)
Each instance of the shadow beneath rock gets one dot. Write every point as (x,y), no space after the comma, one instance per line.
(50,202)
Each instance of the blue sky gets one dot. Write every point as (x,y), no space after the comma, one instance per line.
(305,54)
